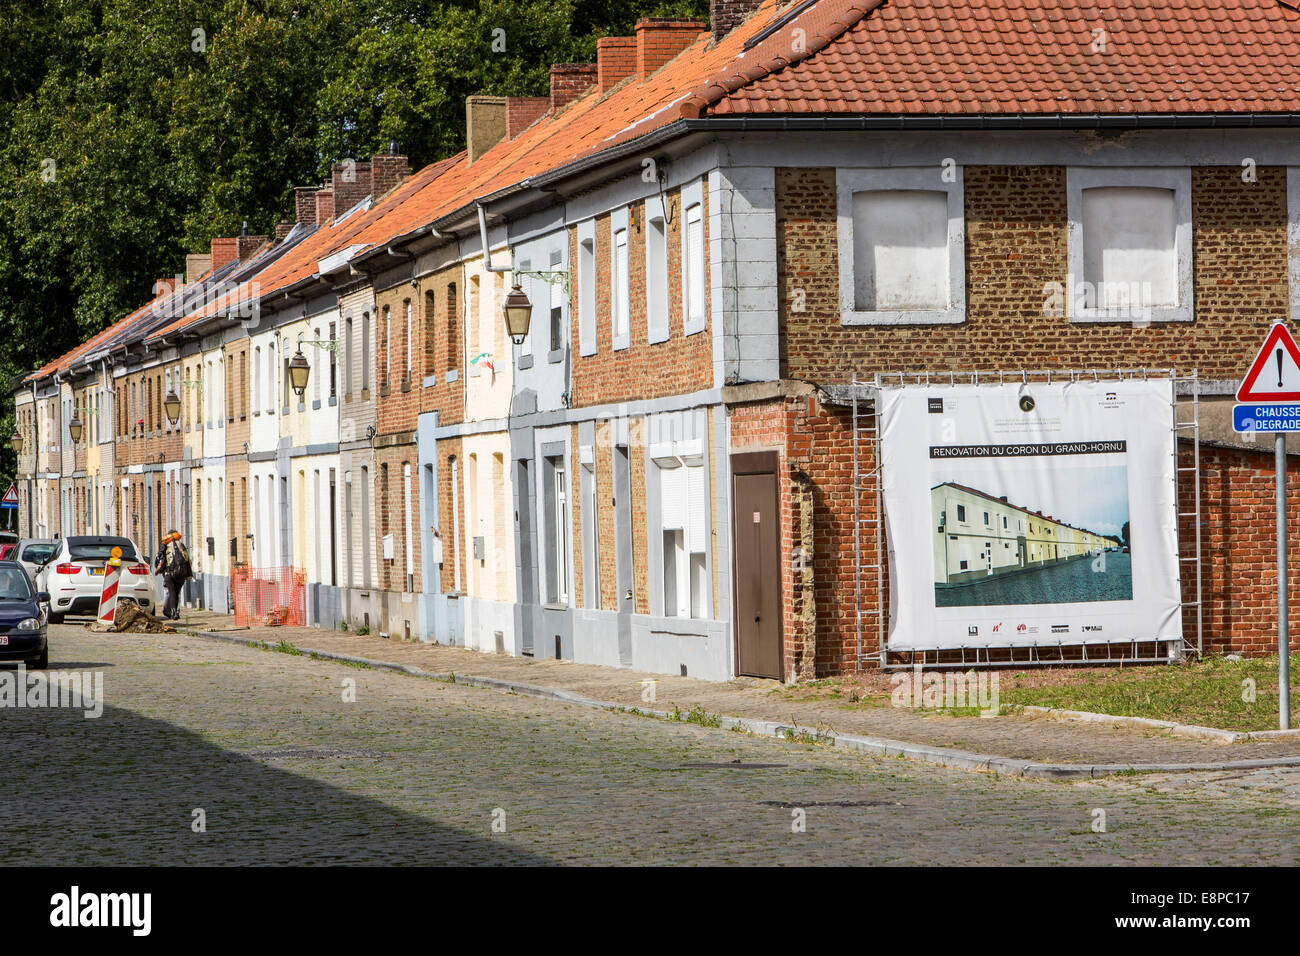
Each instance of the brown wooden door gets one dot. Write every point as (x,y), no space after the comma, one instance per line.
(757,564)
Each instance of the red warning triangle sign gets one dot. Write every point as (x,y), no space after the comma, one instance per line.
(1274,376)
(11,496)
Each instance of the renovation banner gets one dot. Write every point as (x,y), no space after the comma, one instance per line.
(1030,513)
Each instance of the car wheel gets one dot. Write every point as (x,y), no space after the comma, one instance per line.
(55,618)
(43,661)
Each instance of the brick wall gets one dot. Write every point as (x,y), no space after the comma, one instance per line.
(452,556)
(615,60)
(570,81)
(1015,247)
(678,365)
(442,344)
(398,404)
(660,39)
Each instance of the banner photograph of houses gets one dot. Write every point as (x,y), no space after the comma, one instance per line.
(1031,531)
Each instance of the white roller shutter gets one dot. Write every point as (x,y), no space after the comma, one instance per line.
(697,493)
(672,487)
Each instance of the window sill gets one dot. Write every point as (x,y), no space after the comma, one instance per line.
(525,361)
(406,385)
(916,317)
(333,401)
(315,404)
(384,391)
(556,356)
(453,375)
(1134,316)
(555,606)
(365,394)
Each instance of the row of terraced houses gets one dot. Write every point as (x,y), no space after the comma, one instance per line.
(718,228)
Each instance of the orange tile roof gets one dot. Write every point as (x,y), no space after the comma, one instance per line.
(1040,56)
(901,57)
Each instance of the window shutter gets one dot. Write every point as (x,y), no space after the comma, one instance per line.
(672,487)
(697,528)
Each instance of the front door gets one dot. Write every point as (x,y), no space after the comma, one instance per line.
(757,564)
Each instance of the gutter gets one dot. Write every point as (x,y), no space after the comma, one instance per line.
(487,250)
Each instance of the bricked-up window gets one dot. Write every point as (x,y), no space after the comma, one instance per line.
(406,308)
(334,366)
(900,250)
(586,287)
(620,287)
(387,328)
(430,334)
(472,323)
(365,351)
(453,331)
(901,246)
(1130,256)
(656,270)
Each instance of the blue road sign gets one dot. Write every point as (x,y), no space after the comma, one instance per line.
(1266,418)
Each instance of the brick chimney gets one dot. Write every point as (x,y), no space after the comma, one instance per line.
(388,170)
(324,205)
(726,15)
(196,265)
(615,60)
(659,39)
(523,111)
(485,123)
(304,200)
(247,246)
(351,182)
(224,252)
(569,81)
(282,230)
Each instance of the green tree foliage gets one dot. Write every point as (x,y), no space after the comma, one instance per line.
(131,132)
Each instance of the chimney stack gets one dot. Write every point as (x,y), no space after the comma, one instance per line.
(324,205)
(523,111)
(615,60)
(485,124)
(351,182)
(246,246)
(224,252)
(659,39)
(570,81)
(388,170)
(726,15)
(196,265)
(282,230)
(304,199)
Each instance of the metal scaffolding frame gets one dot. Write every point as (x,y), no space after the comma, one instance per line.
(868,482)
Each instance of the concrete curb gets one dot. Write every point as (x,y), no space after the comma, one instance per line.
(877,746)
(1177,729)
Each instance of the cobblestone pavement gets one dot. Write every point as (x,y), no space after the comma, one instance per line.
(1029,738)
(416,771)
(1076,580)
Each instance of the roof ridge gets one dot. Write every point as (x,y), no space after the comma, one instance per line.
(728,81)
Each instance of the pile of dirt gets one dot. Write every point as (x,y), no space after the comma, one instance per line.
(132,618)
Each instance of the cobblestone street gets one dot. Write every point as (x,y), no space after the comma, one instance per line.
(1080,579)
(417,771)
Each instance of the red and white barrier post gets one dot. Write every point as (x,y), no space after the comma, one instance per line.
(108,597)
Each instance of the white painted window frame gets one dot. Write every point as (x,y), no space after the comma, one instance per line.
(692,194)
(586,286)
(932,179)
(656,272)
(618,223)
(1179,179)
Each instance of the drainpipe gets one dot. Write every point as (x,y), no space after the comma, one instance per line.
(58,398)
(487,251)
(36,464)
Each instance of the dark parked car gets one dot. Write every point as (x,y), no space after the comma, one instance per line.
(22,618)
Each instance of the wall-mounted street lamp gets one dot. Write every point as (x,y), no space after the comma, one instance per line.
(172,406)
(299,372)
(518,312)
(16,442)
(75,428)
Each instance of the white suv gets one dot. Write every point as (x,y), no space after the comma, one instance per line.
(74,576)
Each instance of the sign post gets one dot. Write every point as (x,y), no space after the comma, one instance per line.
(1272,390)
(10,504)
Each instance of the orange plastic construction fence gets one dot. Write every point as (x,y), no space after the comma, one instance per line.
(271,596)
